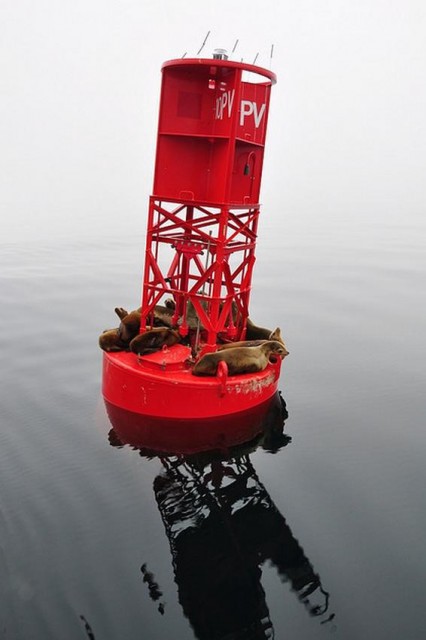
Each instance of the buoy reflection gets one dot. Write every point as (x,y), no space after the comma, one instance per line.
(222,526)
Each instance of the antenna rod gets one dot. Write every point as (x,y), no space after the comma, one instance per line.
(235,45)
(202,46)
(270,57)
(255,58)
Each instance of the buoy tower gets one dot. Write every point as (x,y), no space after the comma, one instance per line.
(200,243)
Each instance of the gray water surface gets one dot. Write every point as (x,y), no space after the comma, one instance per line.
(111,543)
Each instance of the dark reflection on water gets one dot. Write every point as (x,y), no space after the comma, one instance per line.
(222,526)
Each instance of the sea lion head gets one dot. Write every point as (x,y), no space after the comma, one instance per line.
(170,304)
(274,350)
(129,326)
(109,341)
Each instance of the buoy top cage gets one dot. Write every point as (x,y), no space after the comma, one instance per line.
(203,212)
(220,59)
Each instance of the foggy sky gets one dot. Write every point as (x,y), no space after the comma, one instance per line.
(79,85)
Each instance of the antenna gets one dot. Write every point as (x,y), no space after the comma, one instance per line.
(202,46)
(270,57)
(184,54)
(255,58)
(235,45)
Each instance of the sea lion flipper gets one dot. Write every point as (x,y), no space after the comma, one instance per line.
(122,313)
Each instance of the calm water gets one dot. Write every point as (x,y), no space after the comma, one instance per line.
(320,535)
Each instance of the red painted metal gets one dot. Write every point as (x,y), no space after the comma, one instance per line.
(161,385)
(178,436)
(201,239)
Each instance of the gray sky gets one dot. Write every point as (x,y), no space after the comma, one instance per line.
(79,83)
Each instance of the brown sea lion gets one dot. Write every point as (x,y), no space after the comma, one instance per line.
(253,332)
(274,335)
(129,326)
(130,322)
(240,343)
(122,313)
(153,340)
(109,340)
(240,359)
(170,304)
(163,315)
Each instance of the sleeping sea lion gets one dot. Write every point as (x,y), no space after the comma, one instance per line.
(109,340)
(240,359)
(275,335)
(153,340)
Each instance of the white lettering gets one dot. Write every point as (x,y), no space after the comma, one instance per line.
(248,108)
(224,103)
(231,95)
(258,116)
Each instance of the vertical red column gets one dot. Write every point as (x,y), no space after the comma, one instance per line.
(203,213)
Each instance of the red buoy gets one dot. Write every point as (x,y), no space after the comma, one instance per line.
(200,243)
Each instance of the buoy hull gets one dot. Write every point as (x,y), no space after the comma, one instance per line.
(161,386)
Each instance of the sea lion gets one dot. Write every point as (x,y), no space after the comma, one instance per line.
(129,326)
(240,359)
(241,343)
(153,340)
(122,313)
(170,304)
(253,332)
(163,315)
(192,319)
(130,322)
(109,340)
(274,335)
